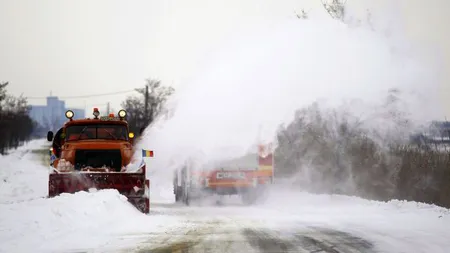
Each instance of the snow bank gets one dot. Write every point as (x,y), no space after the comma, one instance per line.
(22,174)
(31,222)
(73,221)
(394,226)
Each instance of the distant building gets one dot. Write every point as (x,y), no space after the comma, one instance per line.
(52,115)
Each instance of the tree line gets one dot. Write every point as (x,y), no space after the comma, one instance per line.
(332,151)
(16,125)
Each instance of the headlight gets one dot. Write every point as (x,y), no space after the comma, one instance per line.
(69,114)
(122,113)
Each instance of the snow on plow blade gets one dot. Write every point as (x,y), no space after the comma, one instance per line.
(132,185)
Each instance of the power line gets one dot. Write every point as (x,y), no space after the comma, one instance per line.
(87,96)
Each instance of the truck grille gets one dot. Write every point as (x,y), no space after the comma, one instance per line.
(111,159)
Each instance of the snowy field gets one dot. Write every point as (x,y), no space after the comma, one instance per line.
(105,222)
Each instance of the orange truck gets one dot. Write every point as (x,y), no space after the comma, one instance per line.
(249,180)
(95,153)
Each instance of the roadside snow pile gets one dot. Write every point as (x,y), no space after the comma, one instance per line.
(72,221)
(395,225)
(22,175)
(31,222)
(283,199)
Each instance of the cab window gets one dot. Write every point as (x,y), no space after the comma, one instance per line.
(105,132)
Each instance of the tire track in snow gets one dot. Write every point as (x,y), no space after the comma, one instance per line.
(214,239)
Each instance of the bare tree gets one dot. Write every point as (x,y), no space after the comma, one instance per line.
(15,124)
(2,94)
(142,111)
(302,15)
(335,8)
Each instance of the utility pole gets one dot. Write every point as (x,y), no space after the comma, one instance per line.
(85,109)
(107,109)
(146,106)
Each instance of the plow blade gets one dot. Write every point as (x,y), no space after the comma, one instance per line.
(134,186)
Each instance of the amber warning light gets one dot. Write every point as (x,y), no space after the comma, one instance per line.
(96,113)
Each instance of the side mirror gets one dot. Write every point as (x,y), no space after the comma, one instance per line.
(49,136)
(141,130)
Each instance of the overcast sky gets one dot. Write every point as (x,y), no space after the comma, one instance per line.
(84,47)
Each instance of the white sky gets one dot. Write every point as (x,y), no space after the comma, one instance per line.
(87,47)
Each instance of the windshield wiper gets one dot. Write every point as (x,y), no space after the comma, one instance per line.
(82,131)
(115,138)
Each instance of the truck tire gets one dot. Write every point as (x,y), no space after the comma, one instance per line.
(178,194)
(187,198)
(184,196)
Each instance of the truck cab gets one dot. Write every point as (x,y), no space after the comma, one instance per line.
(98,144)
(248,176)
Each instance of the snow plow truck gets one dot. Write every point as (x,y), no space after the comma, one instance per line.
(248,177)
(94,153)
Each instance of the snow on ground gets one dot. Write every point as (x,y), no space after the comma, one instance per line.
(395,226)
(29,221)
(104,220)
(22,177)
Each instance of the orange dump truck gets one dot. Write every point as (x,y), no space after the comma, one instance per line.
(247,177)
(94,153)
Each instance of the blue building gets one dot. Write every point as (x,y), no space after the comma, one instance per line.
(52,115)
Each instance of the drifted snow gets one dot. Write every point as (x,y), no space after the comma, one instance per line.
(394,226)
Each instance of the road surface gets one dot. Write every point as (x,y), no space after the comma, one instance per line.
(232,229)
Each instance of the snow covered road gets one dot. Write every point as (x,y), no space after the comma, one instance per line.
(243,229)
(313,224)
(288,222)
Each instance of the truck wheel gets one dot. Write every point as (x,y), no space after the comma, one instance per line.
(185,197)
(178,194)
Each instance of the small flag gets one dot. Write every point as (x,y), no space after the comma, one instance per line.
(147,153)
(52,159)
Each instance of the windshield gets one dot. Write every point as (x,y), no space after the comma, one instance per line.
(99,131)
